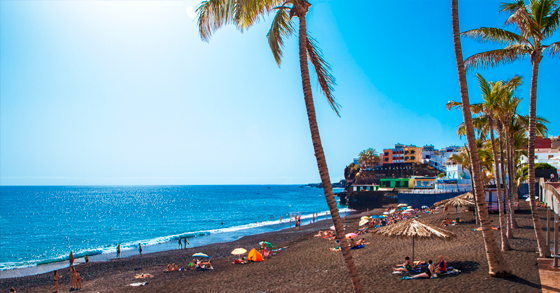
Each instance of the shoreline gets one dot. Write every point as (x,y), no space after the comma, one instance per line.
(194,242)
(308,265)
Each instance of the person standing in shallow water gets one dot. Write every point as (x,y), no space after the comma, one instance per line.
(140,248)
(180,243)
(119,251)
(186,242)
(71,258)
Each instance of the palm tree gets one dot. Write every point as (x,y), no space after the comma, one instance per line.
(212,14)
(496,262)
(368,157)
(536,22)
(491,94)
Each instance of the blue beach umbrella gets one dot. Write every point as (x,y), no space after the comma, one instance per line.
(200,254)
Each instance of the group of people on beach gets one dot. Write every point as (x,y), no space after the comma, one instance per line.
(432,271)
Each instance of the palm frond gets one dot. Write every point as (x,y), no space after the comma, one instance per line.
(248,12)
(494,35)
(511,7)
(554,49)
(494,58)
(551,23)
(520,17)
(484,86)
(213,14)
(453,104)
(281,28)
(323,72)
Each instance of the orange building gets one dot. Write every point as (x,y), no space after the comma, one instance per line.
(402,154)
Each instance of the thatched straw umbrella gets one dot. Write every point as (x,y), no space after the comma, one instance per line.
(414,228)
(461,200)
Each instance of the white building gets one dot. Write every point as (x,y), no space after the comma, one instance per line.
(438,158)
(550,156)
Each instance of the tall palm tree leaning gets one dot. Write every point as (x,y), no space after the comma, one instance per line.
(496,262)
(536,22)
(212,14)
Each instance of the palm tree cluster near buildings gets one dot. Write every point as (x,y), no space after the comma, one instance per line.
(369,158)
(535,22)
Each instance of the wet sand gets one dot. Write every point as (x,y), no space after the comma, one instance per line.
(307,265)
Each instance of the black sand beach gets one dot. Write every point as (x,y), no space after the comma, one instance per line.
(307,265)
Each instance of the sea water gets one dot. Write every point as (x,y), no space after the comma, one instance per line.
(40,225)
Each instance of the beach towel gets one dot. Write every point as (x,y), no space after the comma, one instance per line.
(358,247)
(416,270)
(138,284)
(480,229)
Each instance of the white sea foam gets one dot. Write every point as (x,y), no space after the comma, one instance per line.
(131,245)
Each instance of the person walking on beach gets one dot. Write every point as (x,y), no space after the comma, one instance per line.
(140,248)
(71,258)
(119,251)
(87,259)
(73,285)
(186,242)
(56,277)
(280,219)
(180,243)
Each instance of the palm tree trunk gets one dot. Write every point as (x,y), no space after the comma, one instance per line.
(319,154)
(509,232)
(503,222)
(496,263)
(513,186)
(544,251)
(511,177)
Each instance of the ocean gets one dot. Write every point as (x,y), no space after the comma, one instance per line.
(40,225)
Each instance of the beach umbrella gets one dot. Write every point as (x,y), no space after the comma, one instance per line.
(377,216)
(392,211)
(365,217)
(239,251)
(266,243)
(363,222)
(333,228)
(408,211)
(457,201)
(351,235)
(200,254)
(424,207)
(402,205)
(414,229)
(385,213)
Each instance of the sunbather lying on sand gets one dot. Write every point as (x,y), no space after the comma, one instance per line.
(446,222)
(406,267)
(171,268)
(430,273)
(143,276)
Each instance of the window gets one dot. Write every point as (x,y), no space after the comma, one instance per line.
(412,158)
(406,158)
(406,152)
(386,159)
(412,151)
(386,153)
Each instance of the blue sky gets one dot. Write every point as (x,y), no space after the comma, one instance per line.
(101,92)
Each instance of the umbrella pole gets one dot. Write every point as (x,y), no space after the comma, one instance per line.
(413,250)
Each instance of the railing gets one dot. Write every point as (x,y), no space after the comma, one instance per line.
(432,191)
(550,195)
